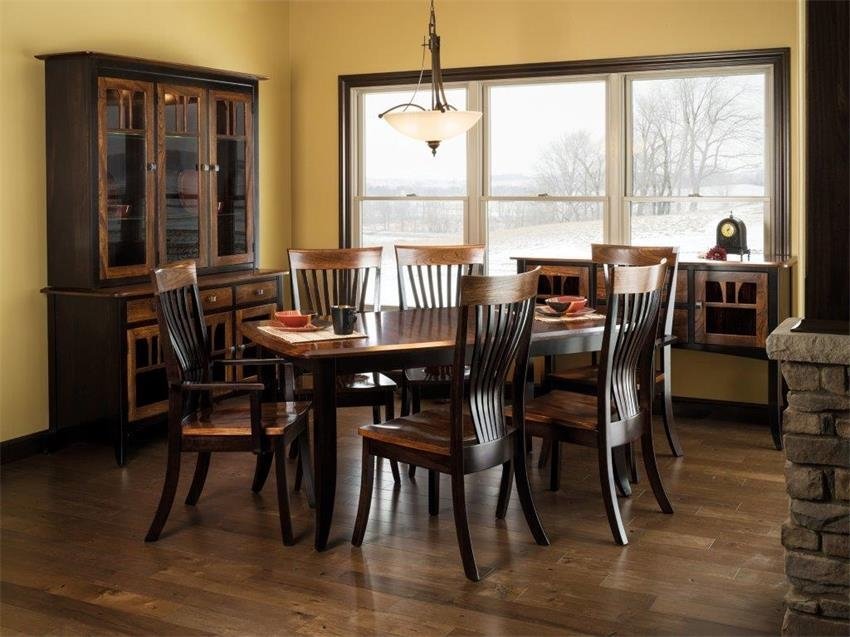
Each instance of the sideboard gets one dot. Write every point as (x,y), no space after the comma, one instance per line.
(726,307)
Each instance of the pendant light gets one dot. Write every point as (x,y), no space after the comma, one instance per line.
(443,120)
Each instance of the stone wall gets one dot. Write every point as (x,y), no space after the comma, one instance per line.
(816,535)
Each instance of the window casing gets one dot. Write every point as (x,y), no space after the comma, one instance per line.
(514,220)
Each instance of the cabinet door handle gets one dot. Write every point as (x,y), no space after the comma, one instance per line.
(698,305)
(212,298)
(260,292)
(205,167)
(151,166)
(215,167)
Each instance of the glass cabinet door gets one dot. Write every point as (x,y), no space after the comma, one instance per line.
(126,177)
(232,174)
(181,115)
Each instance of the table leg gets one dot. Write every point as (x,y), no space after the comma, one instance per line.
(775,401)
(324,448)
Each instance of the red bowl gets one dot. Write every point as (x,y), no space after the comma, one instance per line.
(566,303)
(293,318)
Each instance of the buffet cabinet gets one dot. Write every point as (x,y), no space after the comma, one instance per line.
(148,163)
(726,307)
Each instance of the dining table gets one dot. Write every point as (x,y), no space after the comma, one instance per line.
(392,340)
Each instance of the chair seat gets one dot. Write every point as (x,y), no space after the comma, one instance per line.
(563,409)
(233,418)
(585,375)
(435,374)
(368,382)
(428,430)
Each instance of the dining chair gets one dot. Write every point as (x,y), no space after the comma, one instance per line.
(621,412)
(322,278)
(429,277)
(472,435)
(196,425)
(584,378)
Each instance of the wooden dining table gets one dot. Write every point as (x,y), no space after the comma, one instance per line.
(393,340)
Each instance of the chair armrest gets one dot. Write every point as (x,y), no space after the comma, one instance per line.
(193,386)
(667,339)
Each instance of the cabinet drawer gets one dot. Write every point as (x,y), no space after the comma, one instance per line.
(216,298)
(140,310)
(254,292)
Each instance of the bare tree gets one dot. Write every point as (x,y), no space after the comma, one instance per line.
(573,165)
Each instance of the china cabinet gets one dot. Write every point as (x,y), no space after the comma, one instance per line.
(148,163)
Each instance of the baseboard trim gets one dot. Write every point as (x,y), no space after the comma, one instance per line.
(24,446)
(722,410)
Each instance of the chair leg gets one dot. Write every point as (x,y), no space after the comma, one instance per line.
(282,493)
(555,468)
(433,492)
(545,452)
(201,467)
(523,489)
(411,471)
(505,487)
(306,462)
(634,478)
(169,489)
(416,399)
(667,412)
(609,495)
(261,471)
(293,452)
(464,540)
(621,471)
(648,450)
(389,414)
(367,479)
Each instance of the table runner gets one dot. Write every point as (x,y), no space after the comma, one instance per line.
(326,334)
(566,319)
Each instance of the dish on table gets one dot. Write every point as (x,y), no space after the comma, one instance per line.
(566,303)
(293,318)
(545,310)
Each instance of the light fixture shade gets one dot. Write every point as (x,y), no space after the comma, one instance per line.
(432,126)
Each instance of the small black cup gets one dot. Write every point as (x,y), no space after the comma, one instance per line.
(344,317)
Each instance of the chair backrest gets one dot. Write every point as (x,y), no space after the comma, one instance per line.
(183,333)
(429,276)
(501,309)
(339,276)
(610,254)
(634,300)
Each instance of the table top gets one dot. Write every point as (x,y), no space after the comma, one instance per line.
(403,330)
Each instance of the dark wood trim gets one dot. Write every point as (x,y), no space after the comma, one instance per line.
(827,176)
(755,413)
(779,59)
(125,60)
(24,446)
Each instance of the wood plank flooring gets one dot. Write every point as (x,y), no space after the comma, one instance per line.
(73,560)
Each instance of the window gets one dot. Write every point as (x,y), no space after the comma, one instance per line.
(630,151)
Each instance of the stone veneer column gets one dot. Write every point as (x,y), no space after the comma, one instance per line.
(816,426)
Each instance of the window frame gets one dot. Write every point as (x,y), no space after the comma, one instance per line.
(618,71)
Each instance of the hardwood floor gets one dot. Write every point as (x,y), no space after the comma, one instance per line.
(73,560)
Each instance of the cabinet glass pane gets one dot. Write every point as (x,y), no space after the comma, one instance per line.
(126,204)
(182,225)
(180,113)
(125,109)
(231,197)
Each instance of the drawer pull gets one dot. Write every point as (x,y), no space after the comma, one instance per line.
(212,298)
(260,291)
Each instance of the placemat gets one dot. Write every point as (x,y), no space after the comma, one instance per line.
(567,319)
(326,334)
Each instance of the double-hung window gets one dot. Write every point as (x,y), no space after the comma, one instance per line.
(631,151)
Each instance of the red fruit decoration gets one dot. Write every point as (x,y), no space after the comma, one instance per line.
(717,253)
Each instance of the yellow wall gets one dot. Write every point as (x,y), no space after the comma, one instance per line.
(331,38)
(242,36)
(303,46)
